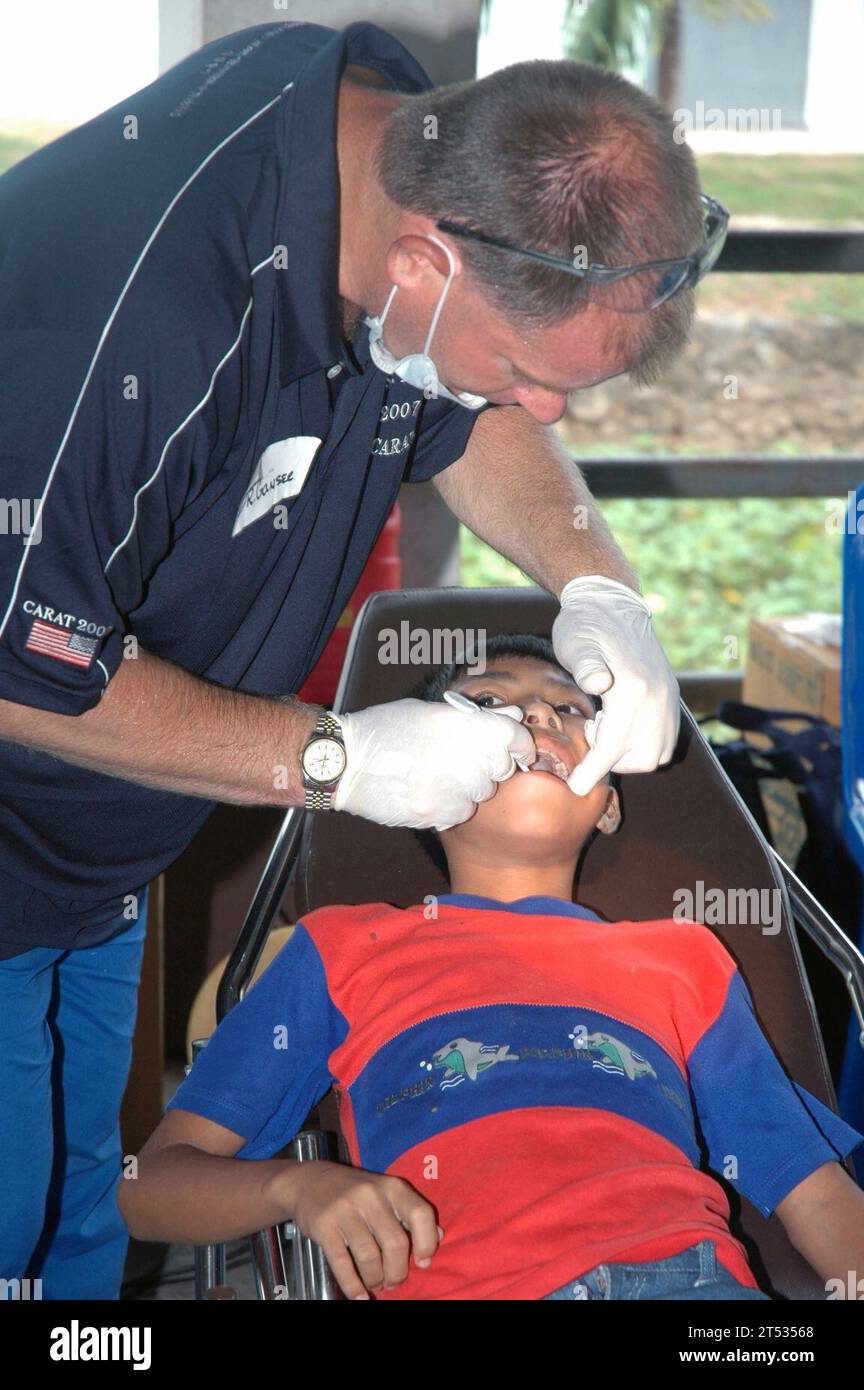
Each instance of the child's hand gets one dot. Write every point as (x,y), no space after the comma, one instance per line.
(369,1214)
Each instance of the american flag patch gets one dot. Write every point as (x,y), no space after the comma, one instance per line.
(55,641)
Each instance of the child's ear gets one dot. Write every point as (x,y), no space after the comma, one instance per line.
(611,817)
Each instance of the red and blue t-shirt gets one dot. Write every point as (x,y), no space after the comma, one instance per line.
(554,1084)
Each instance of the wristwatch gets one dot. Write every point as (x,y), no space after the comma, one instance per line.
(322,762)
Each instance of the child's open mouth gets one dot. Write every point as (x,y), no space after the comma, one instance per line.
(550,763)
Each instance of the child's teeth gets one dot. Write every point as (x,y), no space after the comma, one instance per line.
(546,763)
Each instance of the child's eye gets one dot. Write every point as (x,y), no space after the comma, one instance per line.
(569,707)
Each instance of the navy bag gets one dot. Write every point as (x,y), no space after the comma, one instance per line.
(811,759)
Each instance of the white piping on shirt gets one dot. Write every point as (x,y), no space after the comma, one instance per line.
(107,328)
(192,413)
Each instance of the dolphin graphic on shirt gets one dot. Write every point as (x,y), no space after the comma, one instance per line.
(461,1058)
(612,1055)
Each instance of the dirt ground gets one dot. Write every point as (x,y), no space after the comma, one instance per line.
(745,384)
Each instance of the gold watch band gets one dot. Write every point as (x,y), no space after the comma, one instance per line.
(318,798)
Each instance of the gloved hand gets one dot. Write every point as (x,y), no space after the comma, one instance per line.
(603,635)
(425,764)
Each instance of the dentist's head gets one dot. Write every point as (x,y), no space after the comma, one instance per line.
(561,160)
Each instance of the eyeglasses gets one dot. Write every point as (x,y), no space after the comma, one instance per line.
(629,289)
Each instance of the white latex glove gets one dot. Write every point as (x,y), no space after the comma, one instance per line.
(425,764)
(603,635)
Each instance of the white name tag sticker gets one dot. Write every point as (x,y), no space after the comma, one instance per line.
(281,473)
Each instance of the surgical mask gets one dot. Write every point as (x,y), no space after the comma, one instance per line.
(418,369)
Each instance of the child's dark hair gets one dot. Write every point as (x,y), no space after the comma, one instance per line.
(519,644)
(432,688)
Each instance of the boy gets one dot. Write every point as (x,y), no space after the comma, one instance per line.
(510,1065)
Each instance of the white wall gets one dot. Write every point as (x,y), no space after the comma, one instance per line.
(833,104)
(508,38)
(63,63)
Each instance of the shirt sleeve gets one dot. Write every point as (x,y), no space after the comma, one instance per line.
(442,438)
(267,1063)
(763,1131)
(107,432)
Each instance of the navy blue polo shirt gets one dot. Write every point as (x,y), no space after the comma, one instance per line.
(214,463)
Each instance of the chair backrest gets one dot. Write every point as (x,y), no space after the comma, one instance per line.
(683,824)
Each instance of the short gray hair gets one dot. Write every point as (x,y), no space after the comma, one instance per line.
(553,155)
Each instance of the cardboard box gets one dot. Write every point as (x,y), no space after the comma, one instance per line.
(792,664)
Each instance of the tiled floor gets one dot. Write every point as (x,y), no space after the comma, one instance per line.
(166,1271)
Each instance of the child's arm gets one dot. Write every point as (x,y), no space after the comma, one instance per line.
(824,1219)
(189,1188)
(777,1143)
(252,1086)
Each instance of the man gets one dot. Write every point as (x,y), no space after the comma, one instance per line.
(205,409)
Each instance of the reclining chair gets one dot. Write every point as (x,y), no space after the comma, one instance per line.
(686,821)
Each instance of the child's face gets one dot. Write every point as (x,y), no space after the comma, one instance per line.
(534,815)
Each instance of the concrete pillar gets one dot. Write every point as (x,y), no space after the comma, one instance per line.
(832,108)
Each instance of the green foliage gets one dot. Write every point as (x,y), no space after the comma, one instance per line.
(708,566)
(754,11)
(809,188)
(20,138)
(609,32)
(13,148)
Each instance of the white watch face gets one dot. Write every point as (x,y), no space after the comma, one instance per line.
(324,760)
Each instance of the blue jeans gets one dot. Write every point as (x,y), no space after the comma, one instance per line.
(694,1273)
(66,1025)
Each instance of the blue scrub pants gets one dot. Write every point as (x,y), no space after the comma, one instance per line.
(66,1025)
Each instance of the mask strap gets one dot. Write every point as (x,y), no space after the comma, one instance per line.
(386,309)
(440,304)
